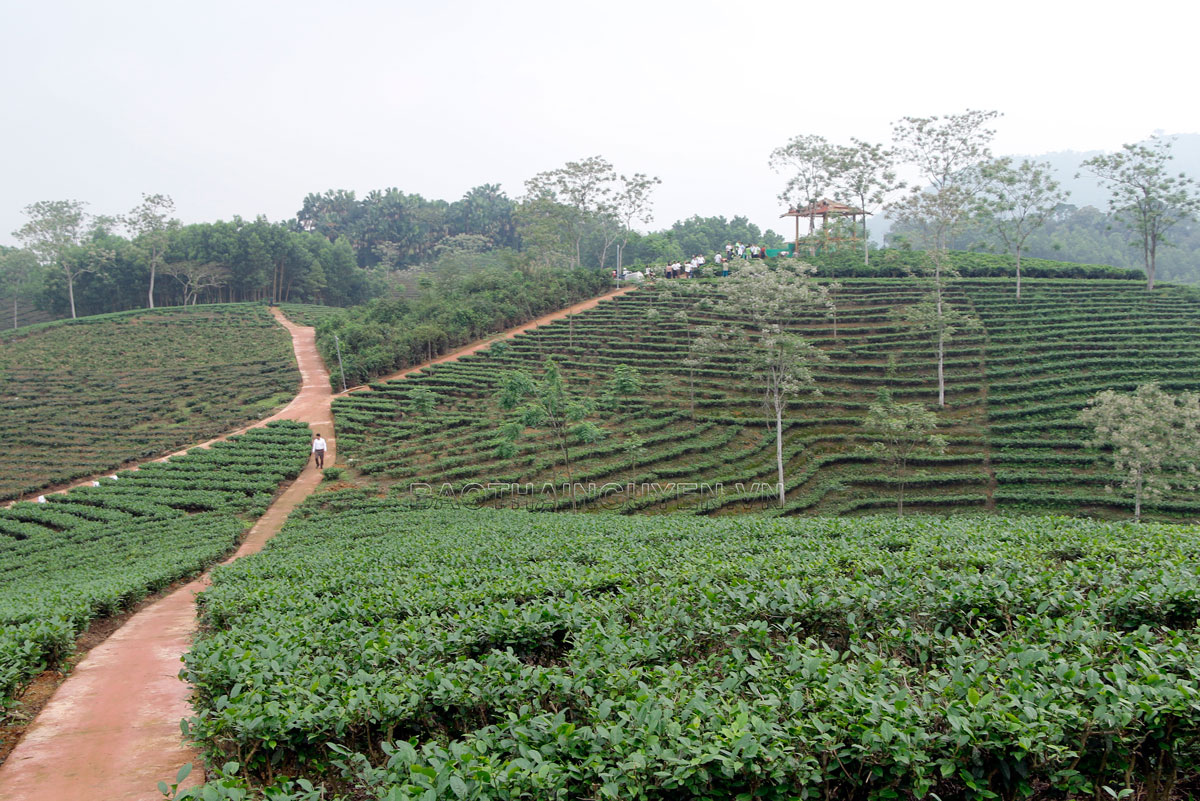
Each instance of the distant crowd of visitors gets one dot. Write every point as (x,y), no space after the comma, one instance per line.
(691,267)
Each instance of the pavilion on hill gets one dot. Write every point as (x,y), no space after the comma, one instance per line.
(820,238)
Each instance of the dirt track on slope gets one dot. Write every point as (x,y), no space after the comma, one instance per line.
(111,730)
(482,344)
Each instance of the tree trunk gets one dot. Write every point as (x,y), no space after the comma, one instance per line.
(14,311)
(1137,498)
(866,245)
(562,444)
(150,294)
(900,505)
(691,383)
(1018,272)
(1150,265)
(71,293)
(779,443)
(941,370)
(941,336)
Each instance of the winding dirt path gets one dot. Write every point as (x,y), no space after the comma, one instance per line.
(111,731)
(480,344)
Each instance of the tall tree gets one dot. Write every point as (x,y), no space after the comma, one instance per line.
(1144,195)
(807,161)
(943,148)
(580,191)
(1148,432)
(934,316)
(866,174)
(547,230)
(945,152)
(17,270)
(1017,200)
(901,431)
(546,404)
(150,227)
(762,302)
(195,277)
(485,210)
(334,213)
(632,204)
(56,234)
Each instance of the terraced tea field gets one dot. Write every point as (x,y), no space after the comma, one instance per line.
(308,313)
(474,654)
(96,550)
(83,397)
(1013,390)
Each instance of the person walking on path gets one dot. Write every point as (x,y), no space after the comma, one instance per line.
(319,450)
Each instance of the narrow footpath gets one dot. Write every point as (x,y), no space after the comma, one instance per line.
(111,731)
(481,344)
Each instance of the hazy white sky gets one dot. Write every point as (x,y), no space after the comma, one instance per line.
(245,107)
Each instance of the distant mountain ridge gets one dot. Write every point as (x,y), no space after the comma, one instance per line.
(1086,190)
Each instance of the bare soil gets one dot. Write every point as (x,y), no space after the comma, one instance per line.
(483,344)
(109,726)
(111,730)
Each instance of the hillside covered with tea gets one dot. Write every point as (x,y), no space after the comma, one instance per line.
(1014,386)
(81,397)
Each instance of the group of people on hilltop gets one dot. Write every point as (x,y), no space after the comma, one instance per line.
(691,267)
(680,269)
(745,251)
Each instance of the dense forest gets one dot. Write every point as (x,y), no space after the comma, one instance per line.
(339,250)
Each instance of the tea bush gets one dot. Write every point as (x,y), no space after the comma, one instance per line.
(83,397)
(501,654)
(97,550)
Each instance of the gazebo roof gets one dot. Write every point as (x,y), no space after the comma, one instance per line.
(824,208)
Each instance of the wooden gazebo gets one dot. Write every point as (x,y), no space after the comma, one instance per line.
(825,209)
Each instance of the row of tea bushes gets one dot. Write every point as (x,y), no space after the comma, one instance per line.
(97,550)
(82,397)
(502,654)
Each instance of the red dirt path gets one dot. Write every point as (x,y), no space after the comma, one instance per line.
(479,345)
(111,731)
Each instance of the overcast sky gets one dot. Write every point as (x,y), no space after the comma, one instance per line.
(245,107)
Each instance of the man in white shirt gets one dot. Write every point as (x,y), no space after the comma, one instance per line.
(319,451)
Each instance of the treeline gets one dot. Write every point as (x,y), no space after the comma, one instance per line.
(340,249)
(390,334)
(221,262)
(390,228)
(1087,235)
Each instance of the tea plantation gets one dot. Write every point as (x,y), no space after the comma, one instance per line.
(1014,388)
(98,549)
(308,313)
(82,397)
(499,654)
